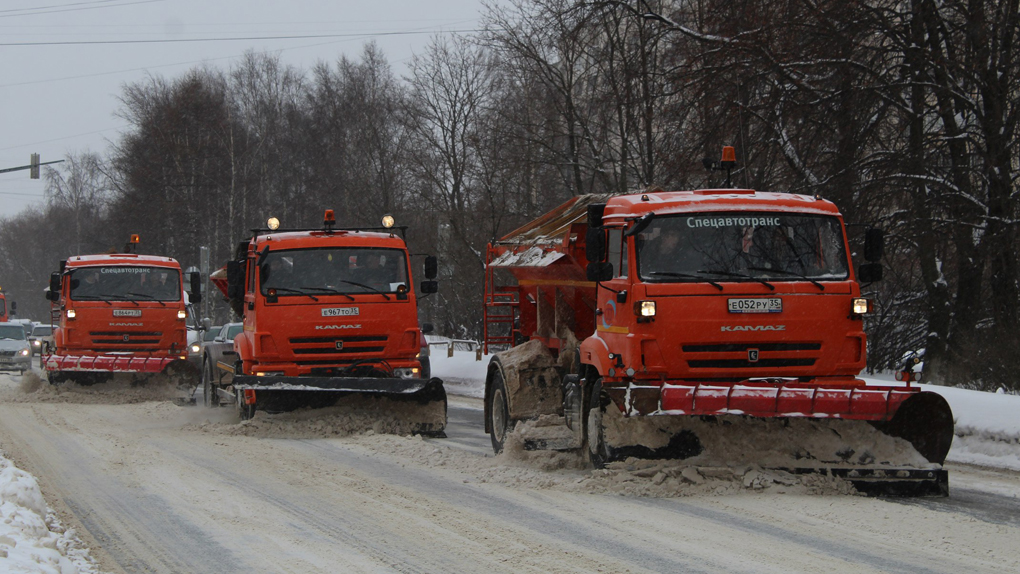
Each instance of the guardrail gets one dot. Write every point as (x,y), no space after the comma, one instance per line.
(458,345)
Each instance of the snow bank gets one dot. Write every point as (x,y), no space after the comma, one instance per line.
(32,538)
(987,425)
(462,374)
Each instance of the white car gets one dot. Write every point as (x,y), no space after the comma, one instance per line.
(15,353)
(41,338)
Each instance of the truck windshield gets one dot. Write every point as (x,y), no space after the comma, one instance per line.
(345,270)
(125,283)
(744,246)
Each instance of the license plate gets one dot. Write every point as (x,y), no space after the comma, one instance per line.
(755,305)
(127,312)
(6,360)
(340,312)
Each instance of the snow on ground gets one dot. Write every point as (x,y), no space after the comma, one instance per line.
(32,538)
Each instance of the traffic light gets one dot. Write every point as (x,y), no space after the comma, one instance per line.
(34,167)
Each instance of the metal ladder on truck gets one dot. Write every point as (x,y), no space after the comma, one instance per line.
(501,310)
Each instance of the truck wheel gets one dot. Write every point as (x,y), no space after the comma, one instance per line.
(209,396)
(499,411)
(598,450)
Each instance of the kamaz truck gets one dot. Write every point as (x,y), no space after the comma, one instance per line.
(119,313)
(329,314)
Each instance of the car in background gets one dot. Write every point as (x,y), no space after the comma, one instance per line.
(41,338)
(15,353)
(218,356)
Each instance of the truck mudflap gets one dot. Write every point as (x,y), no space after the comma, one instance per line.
(281,394)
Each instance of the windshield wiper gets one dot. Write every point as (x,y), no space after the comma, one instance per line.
(785,272)
(104,298)
(741,275)
(686,276)
(366,287)
(331,291)
(297,292)
(146,297)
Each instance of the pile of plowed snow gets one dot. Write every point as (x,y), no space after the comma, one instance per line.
(562,471)
(357,414)
(32,538)
(121,389)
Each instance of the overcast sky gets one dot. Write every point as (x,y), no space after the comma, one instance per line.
(64,62)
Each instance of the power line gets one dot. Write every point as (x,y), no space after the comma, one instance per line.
(234,39)
(37,10)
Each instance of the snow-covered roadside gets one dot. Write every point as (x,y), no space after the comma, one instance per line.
(32,539)
(987,424)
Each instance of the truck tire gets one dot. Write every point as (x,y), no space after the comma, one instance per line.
(597,449)
(499,411)
(209,396)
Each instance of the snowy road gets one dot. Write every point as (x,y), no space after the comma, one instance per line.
(162,488)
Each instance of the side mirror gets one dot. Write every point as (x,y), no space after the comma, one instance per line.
(235,280)
(596,212)
(14,307)
(874,244)
(55,284)
(431,267)
(206,324)
(429,287)
(196,288)
(595,244)
(427,328)
(869,272)
(600,271)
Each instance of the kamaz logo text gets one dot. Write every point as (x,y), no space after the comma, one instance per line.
(730,328)
(318,327)
(126,324)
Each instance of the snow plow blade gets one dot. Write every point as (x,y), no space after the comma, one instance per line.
(871,454)
(92,369)
(276,394)
(111,363)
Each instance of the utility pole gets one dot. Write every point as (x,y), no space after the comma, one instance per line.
(33,165)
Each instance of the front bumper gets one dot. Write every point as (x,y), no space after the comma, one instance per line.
(16,363)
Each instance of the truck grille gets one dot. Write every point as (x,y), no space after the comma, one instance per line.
(327,345)
(766,358)
(126,340)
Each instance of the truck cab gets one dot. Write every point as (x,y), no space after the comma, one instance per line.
(121,312)
(719,285)
(326,312)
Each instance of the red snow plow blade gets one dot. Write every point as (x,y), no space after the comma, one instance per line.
(108,363)
(922,419)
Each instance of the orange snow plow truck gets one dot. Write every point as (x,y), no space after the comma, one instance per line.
(119,313)
(329,316)
(724,327)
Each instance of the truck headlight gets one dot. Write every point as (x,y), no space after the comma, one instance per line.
(646,308)
(182,314)
(406,372)
(70,313)
(861,306)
